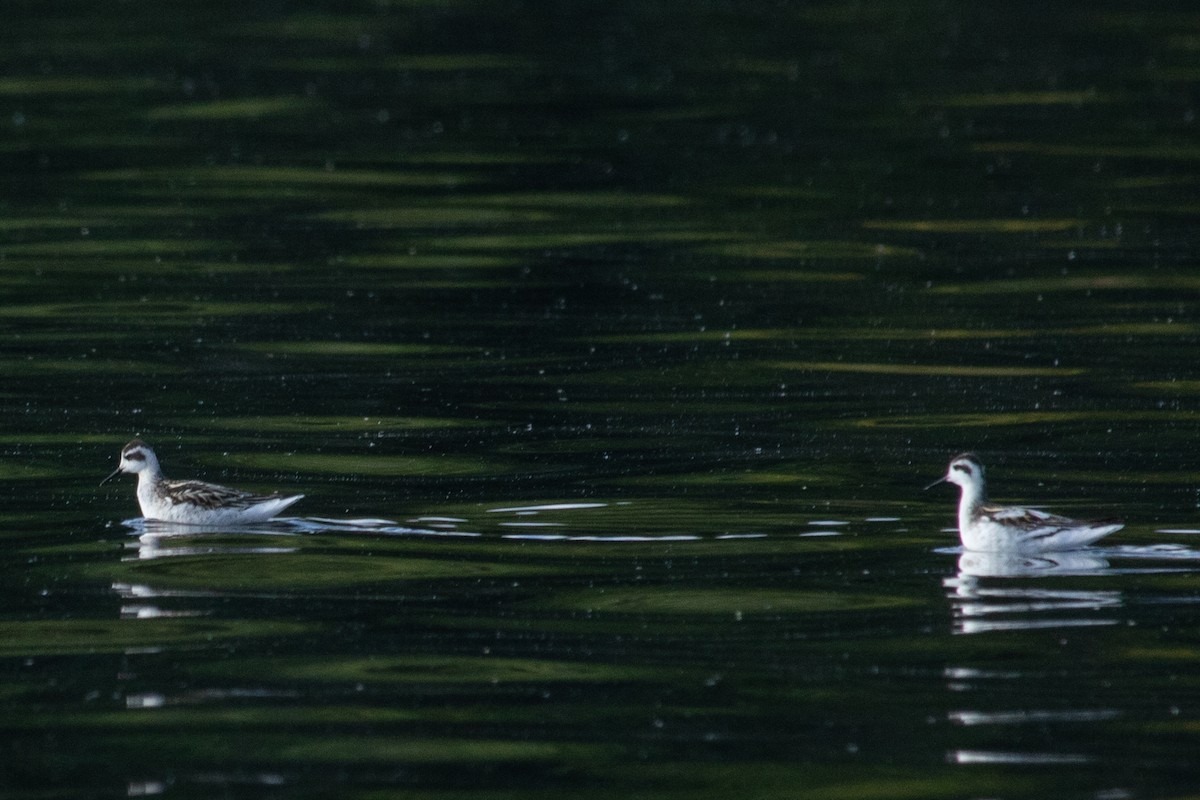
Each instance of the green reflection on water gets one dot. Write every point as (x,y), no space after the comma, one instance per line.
(256,176)
(588,201)
(516,208)
(309,25)
(364,465)
(430,261)
(419,669)
(889,333)
(26,85)
(178,719)
(738,334)
(463,62)
(1182,653)
(341,347)
(45,637)
(747,477)
(681,600)
(164,313)
(331,424)
(355,749)
(10,471)
(1072,283)
(88,141)
(816,249)
(927,369)
(1154,181)
(80,218)
(572,238)
(1040,98)
(425,215)
(308,748)
(1022,418)
(1175,387)
(1160,152)
(934,333)
(897,782)
(975,225)
(287,573)
(116,247)
(632,407)
(45,223)
(242,108)
(84,365)
(799,275)
(57,438)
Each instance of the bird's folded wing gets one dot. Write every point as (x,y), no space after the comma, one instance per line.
(1025,519)
(209,495)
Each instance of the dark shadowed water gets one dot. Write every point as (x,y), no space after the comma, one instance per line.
(611,345)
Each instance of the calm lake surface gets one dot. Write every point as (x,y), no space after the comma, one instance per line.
(611,345)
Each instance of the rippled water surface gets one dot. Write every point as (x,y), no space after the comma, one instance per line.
(611,345)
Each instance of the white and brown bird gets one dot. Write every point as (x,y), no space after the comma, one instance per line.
(193,502)
(1013,529)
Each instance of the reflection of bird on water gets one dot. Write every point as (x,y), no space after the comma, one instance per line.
(983,604)
(1012,528)
(192,502)
(1017,565)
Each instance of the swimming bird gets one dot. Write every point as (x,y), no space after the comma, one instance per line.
(1013,529)
(192,502)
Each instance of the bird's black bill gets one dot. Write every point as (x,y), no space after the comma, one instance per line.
(114,474)
(935,483)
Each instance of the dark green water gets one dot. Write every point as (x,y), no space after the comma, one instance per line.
(626,334)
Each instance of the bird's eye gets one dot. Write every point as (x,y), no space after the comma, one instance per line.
(136,455)
(962,468)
